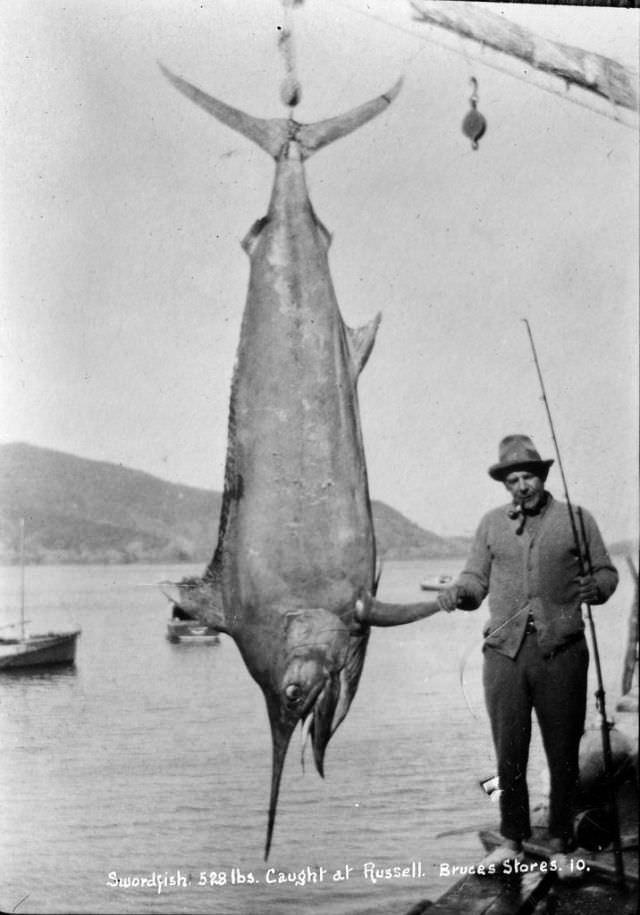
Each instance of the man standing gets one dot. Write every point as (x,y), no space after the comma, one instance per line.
(524,557)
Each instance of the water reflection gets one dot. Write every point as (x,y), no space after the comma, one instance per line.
(148,756)
(43,673)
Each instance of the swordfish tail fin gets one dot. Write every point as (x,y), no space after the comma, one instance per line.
(314,136)
(273,134)
(269,135)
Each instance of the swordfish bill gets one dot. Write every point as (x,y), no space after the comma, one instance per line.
(293,576)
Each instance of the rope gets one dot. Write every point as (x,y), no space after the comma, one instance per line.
(465,658)
(492,66)
(290,90)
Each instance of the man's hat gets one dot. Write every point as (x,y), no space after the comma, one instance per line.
(517,452)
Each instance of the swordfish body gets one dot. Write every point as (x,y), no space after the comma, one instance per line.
(293,576)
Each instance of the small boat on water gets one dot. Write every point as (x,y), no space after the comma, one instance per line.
(193,632)
(48,648)
(25,651)
(437,582)
(186,629)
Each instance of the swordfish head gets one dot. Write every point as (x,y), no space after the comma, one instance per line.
(317,673)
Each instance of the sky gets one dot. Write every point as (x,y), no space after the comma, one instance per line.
(123,207)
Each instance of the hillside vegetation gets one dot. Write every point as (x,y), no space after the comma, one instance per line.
(82,511)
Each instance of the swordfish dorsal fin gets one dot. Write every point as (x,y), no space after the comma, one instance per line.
(201,598)
(274,133)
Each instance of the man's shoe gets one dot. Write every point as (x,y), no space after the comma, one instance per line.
(504,857)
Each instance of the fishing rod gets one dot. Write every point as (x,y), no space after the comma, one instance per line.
(586,568)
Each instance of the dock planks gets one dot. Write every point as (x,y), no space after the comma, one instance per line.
(490,895)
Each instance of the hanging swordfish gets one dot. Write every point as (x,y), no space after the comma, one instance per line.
(293,576)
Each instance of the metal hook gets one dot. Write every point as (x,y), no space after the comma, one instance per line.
(474,95)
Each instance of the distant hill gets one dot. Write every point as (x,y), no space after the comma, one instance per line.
(82,511)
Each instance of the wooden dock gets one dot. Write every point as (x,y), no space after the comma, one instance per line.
(540,894)
(533,890)
(489,895)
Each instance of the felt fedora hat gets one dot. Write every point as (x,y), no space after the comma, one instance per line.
(517,452)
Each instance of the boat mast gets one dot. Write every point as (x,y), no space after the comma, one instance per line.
(22,578)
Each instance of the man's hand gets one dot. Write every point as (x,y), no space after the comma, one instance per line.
(449,598)
(588,590)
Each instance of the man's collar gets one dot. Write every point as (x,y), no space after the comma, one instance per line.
(540,508)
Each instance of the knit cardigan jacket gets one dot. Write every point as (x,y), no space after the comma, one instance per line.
(532,575)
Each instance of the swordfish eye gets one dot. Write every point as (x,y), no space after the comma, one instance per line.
(302,682)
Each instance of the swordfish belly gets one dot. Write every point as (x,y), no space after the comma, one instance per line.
(301,531)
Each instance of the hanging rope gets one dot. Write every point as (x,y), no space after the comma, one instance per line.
(290,90)
(474,124)
(493,65)
(465,658)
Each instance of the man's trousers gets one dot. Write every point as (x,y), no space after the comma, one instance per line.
(555,687)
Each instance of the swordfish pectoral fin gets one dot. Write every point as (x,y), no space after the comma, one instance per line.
(269,134)
(200,598)
(350,677)
(314,136)
(361,340)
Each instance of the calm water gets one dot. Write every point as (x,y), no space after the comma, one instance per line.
(151,757)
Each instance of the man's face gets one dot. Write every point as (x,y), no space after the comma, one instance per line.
(526,488)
